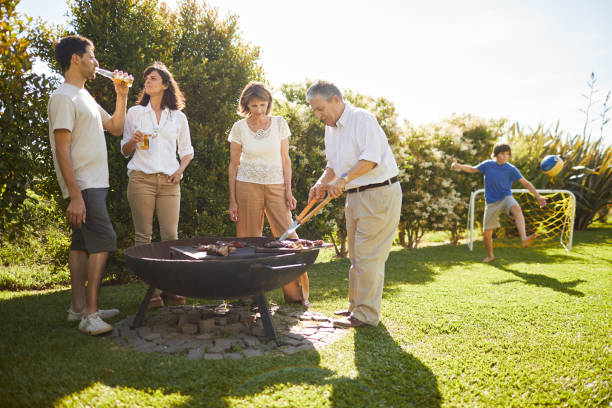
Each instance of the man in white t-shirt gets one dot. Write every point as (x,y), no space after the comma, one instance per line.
(360,162)
(76,133)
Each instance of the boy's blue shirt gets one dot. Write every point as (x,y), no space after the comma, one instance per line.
(498,179)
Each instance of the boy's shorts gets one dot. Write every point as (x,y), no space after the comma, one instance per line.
(491,213)
(97,233)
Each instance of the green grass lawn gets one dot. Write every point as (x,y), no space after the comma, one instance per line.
(533,328)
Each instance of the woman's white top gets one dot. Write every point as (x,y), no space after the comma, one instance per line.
(260,161)
(170,135)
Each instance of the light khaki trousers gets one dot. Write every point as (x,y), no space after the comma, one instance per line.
(372,217)
(152,193)
(254,200)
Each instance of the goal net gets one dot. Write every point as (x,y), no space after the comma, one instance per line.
(554,221)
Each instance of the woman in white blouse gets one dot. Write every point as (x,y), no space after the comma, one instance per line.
(260,175)
(154,131)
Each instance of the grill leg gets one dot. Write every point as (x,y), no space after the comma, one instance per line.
(264,311)
(143,308)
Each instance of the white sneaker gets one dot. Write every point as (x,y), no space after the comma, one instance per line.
(103,313)
(94,325)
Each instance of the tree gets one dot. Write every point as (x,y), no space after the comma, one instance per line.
(434,197)
(307,153)
(428,194)
(469,139)
(210,62)
(24,157)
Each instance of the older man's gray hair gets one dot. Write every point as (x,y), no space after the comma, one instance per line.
(325,89)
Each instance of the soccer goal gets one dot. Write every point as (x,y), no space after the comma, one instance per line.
(555,220)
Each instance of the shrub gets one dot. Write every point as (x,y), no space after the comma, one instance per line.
(23,159)
(36,254)
(210,62)
(429,196)
(307,151)
(587,170)
(434,197)
(470,140)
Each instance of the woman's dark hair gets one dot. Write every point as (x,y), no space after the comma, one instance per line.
(254,90)
(500,148)
(67,46)
(173,97)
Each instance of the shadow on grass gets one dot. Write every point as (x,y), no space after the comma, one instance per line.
(45,361)
(421,266)
(509,250)
(398,377)
(595,235)
(329,280)
(542,281)
(386,376)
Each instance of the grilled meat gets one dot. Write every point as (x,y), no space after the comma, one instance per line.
(220,249)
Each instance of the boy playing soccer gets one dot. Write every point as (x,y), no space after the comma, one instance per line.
(498,178)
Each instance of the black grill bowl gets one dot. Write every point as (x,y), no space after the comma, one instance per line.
(245,273)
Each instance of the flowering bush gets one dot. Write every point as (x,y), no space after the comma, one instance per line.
(436,198)
(470,140)
(429,196)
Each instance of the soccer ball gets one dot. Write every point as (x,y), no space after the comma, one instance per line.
(551,165)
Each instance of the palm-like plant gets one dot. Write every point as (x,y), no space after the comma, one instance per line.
(587,170)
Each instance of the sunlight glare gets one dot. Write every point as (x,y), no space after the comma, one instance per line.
(99,394)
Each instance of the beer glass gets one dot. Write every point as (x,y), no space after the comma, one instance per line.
(144,143)
(148,134)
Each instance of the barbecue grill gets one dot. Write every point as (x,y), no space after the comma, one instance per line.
(178,267)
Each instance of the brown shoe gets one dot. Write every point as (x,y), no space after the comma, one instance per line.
(173,300)
(346,313)
(155,302)
(349,322)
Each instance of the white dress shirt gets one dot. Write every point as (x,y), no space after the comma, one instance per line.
(170,135)
(358,136)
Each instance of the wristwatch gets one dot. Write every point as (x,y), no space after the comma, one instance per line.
(345,177)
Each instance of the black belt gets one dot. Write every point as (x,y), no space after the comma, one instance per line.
(363,188)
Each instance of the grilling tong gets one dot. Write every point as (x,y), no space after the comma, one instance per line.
(305,216)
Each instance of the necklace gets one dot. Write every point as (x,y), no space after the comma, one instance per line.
(154,125)
(261,133)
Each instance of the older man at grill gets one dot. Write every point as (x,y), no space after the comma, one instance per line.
(360,162)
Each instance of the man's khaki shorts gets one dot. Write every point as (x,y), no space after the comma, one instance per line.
(491,213)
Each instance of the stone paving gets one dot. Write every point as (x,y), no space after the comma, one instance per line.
(221,331)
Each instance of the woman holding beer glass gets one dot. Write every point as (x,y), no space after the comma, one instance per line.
(260,175)
(155,131)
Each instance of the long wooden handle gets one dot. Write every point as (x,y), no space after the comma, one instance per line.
(305,211)
(316,210)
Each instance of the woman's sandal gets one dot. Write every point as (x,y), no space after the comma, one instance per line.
(173,300)
(155,302)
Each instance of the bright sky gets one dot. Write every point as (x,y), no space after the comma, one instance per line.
(525,60)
